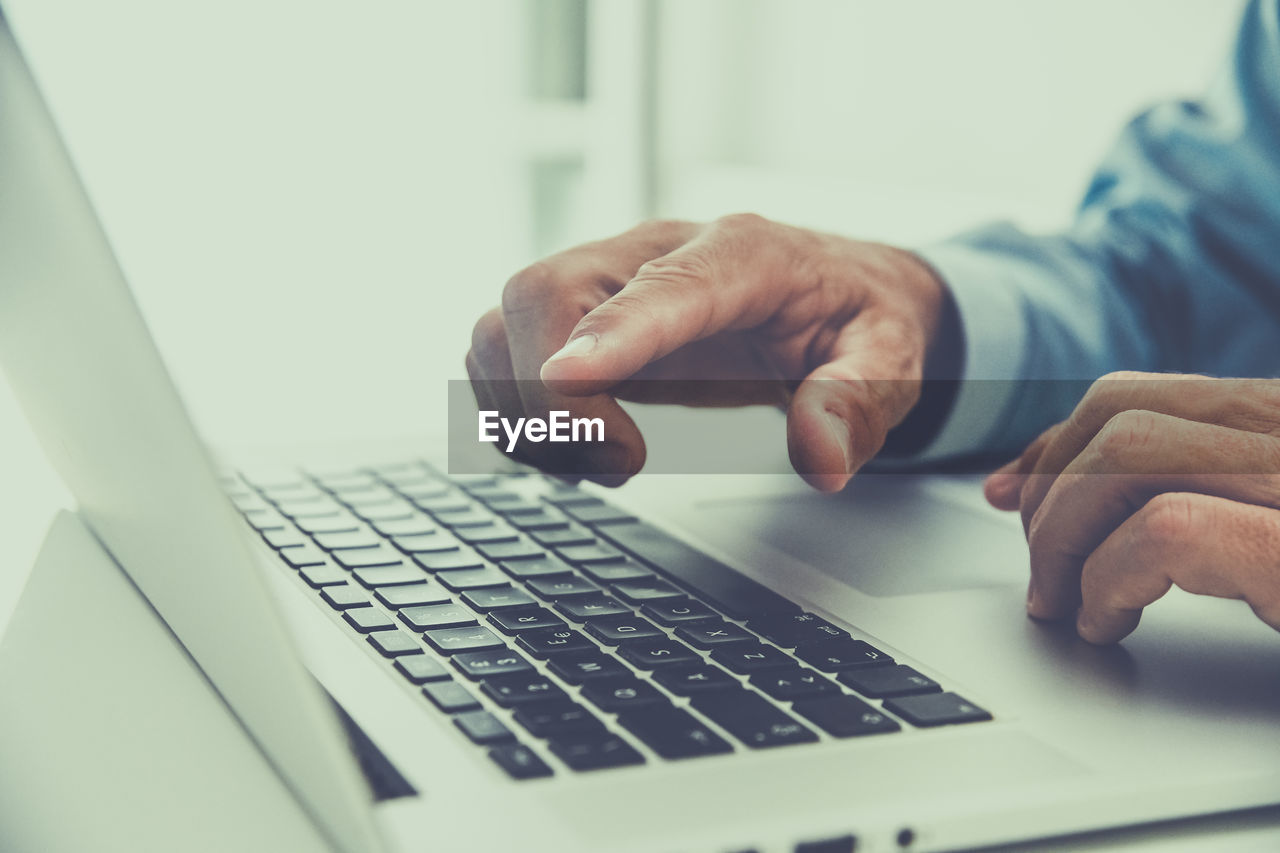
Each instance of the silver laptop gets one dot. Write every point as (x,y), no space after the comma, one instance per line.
(697,663)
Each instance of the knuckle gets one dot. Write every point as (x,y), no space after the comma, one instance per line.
(1169,520)
(662,230)
(683,270)
(745,222)
(1112,393)
(489,332)
(1125,435)
(1257,407)
(529,288)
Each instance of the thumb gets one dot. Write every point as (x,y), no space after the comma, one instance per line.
(842,411)
(707,285)
(1003,486)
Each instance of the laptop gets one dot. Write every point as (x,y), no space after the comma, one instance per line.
(506,661)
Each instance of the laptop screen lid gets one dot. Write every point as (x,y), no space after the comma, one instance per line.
(85,370)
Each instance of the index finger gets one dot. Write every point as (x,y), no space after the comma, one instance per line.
(541,306)
(712,283)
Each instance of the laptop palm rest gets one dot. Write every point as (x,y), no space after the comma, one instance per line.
(883,536)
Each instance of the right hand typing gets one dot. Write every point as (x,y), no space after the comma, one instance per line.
(739,298)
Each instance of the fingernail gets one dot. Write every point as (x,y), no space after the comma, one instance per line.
(840,434)
(576,348)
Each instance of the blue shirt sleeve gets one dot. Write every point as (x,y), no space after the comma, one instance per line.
(1173,263)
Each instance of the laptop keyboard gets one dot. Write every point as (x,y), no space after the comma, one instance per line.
(560,632)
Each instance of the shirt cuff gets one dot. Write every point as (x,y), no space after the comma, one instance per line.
(994,327)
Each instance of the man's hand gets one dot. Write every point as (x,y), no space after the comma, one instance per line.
(1154,480)
(742,298)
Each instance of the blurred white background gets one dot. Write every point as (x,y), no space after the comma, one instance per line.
(314,200)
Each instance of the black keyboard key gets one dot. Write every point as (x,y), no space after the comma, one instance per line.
(344,597)
(490,663)
(885,681)
(595,752)
(443,503)
(789,685)
(591,606)
(567,495)
(672,732)
(424,491)
(936,709)
(385,511)
(450,696)
(516,506)
(695,679)
(468,639)
(710,635)
(596,552)
(415,525)
(457,520)
(349,539)
(520,549)
(373,495)
(497,598)
(583,667)
(437,616)
(283,538)
(420,669)
(487,534)
(335,523)
(844,716)
(391,644)
(463,579)
(598,514)
(527,688)
(541,519)
(358,558)
(519,761)
(796,629)
(299,556)
(621,694)
(835,655)
(428,543)
(524,619)
(748,658)
(572,534)
(366,619)
(482,727)
(677,611)
(375,577)
(642,591)
(458,558)
(612,630)
(310,506)
(752,719)
(558,641)
(557,719)
(732,592)
(623,570)
(489,495)
(266,520)
(562,586)
(321,576)
(535,568)
(411,595)
(651,654)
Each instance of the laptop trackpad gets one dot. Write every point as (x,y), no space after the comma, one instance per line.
(885,535)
